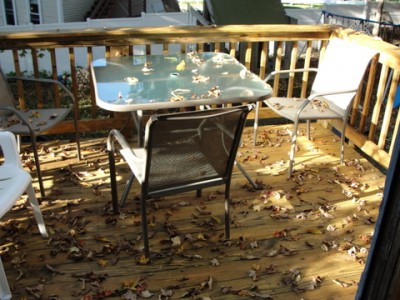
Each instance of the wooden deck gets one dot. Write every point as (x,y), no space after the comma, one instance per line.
(304,238)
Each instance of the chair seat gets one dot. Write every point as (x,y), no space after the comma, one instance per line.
(13,183)
(40,120)
(197,166)
(288,107)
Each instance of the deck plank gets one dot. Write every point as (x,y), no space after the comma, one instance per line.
(307,224)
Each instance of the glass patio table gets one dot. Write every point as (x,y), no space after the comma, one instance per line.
(153,82)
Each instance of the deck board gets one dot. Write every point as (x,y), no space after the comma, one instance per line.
(285,226)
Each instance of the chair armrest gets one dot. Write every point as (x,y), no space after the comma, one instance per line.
(273,73)
(44,80)
(18,114)
(116,135)
(327,93)
(10,150)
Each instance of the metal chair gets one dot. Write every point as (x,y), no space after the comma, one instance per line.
(14,181)
(33,122)
(182,152)
(337,81)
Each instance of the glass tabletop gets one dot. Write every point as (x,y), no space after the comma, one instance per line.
(151,82)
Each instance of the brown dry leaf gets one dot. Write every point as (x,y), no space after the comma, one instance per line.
(215,262)
(146,294)
(34,114)
(35,291)
(143,260)
(54,270)
(342,283)
(129,295)
(102,262)
(253,274)
(271,269)
(256,295)
(176,241)
(308,286)
(249,257)
(331,228)
(207,284)
(102,239)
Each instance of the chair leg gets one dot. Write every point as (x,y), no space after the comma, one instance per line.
(256,116)
(342,141)
(308,129)
(38,169)
(5,293)
(113,182)
(127,188)
(77,138)
(293,148)
(227,212)
(36,211)
(244,172)
(144,227)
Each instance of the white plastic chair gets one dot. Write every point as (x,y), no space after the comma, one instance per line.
(338,79)
(14,181)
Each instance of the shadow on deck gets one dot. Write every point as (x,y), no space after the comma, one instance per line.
(307,237)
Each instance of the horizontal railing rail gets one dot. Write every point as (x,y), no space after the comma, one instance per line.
(262,48)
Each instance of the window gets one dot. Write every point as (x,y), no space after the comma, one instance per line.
(34,11)
(9,7)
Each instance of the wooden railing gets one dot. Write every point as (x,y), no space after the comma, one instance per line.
(373,120)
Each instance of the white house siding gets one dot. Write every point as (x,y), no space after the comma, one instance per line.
(62,54)
(75,10)
(49,11)
(21,8)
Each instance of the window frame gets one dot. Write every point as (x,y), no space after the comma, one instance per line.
(8,13)
(35,17)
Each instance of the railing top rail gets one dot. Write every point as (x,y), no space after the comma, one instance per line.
(167,34)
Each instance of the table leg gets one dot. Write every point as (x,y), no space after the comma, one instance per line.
(137,118)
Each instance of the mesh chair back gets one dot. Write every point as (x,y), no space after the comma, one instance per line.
(192,150)
(6,97)
(342,68)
